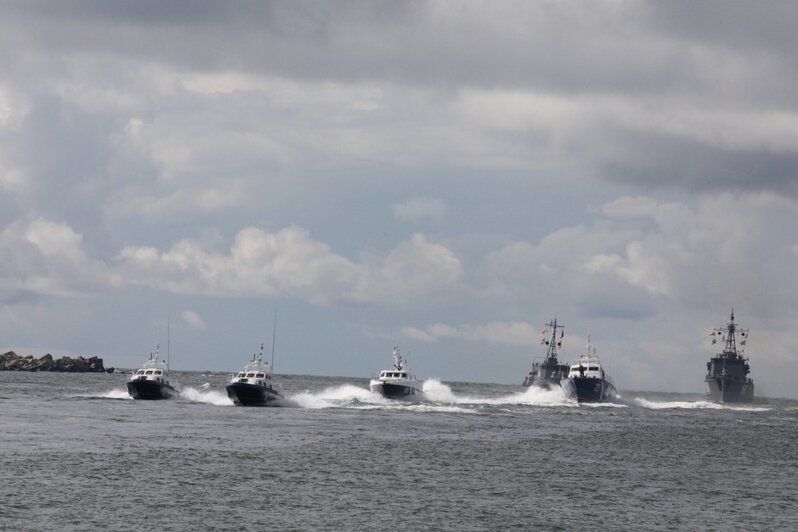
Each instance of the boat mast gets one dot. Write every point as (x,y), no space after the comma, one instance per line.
(168,337)
(554,343)
(274,337)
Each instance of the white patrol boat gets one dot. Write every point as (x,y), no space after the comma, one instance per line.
(587,381)
(397,382)
(151,381)
(254,385)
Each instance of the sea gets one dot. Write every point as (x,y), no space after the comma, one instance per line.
(77,453)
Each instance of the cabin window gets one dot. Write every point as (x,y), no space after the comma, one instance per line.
(140,372)
(260,375)
(243,380)
(404,375)
(242,375)
(159,372)
(594,368)
(149,372)
(250,374)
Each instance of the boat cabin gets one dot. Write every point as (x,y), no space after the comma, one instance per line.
(588,367)
(393,375)
(153,369)
(157,375)
(258,378)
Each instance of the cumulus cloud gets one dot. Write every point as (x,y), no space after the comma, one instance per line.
(726,248)
(289,262)
(43,257)
(193,320)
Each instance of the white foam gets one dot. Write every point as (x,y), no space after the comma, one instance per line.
(437,391)
(116,394)
(111,394)
(211,397)
(344,395)
(694,405)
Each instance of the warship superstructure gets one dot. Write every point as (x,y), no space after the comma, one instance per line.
(727,378)
(548,373)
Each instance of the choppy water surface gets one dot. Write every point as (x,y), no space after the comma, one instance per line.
(76,453)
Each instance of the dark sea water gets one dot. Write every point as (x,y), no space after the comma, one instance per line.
(76,453)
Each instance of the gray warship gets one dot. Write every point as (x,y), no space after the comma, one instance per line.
(547,374)
(727,378)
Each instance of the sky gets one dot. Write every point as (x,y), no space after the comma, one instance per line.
(442,176)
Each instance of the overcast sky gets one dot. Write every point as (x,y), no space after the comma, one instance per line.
(442,176)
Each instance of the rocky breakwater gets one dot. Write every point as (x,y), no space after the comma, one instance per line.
(13,362)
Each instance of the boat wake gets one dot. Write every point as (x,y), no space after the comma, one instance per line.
(695,405)
(210,397)
(437,397)
(111,394)
(340,396)
(437,391)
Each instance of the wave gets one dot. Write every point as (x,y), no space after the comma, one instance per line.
(111,394)
(437,391)
(438,397)
(694,405)
(337,396)
(210,397)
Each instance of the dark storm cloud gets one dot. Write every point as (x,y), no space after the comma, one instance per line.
(554,46)
(673,162)
(719,57)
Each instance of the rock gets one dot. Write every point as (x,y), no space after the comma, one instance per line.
(10,361)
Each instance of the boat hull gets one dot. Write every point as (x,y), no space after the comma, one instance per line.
(252,395)
(392,390)
(727,390)
(150,390)
(589,389)
(546,375)
(540,382)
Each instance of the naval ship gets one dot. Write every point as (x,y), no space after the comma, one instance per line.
(547,374)
(727,372)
